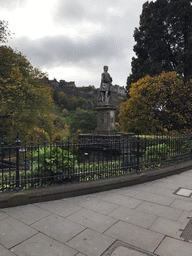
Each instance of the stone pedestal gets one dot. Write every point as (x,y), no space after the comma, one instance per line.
(106,119)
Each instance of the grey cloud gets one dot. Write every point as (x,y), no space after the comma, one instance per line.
(110,43)
(11,4)
(84,10)
(91,55)
(118,23)
(71,10)
(60,50)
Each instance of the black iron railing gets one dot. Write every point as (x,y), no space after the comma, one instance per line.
(24,166)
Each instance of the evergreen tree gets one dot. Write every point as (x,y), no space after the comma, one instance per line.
(180,29)
(4,31)
(163,40)
(85,120)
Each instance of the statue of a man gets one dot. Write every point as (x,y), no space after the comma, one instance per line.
(105,86)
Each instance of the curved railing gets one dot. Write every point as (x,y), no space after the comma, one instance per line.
(24,166)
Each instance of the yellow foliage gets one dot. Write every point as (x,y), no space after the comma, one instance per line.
(76,136)
(157,104)
(65,112)
(118,127)
(26,101)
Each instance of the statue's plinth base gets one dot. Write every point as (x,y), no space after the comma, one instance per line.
(106,119)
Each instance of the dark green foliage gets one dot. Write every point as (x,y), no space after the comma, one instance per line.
(163,40)
(81,103)
(180,27)
(62,100)
(84,120)
(4,31)
(68,102)
(55,96)
(185,145)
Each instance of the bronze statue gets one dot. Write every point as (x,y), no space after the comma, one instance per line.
(105,86)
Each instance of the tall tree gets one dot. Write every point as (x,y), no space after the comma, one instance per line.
(163,40)
(4,31)
(162,103)
(180,30)
(85,120)
(26,102)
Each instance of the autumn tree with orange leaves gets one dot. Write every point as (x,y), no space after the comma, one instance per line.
(26,102)
(158,104)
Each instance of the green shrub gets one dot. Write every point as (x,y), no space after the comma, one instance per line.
(53,160)
(157,152)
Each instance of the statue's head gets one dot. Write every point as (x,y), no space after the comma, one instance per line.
(105,68)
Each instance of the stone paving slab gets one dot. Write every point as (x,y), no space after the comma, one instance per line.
(149,189)
(179,181)
(94,204)
(5,252)
(60,207)
(122,200)
(13,232)
(160,210)
(91,243)
(101,195)
(165,184)
(3,215)
(180,178)
(41,245)
(137,218)
(137,236)
(27,214)
(58,228)
(130,191)
(153,198)
(92,220)
(82,198)
(181,204)
(165,226)
(147,184)
(134,190)
(174,247)
(184,216)
(170,193)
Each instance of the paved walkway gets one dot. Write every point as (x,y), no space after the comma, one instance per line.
(146,219)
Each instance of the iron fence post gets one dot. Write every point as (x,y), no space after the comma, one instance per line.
(137,155)
(68,148)
(2,157)
(17,142)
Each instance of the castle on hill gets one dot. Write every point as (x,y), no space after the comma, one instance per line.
(63,85)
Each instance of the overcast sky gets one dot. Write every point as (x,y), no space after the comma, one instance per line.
(73,39)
